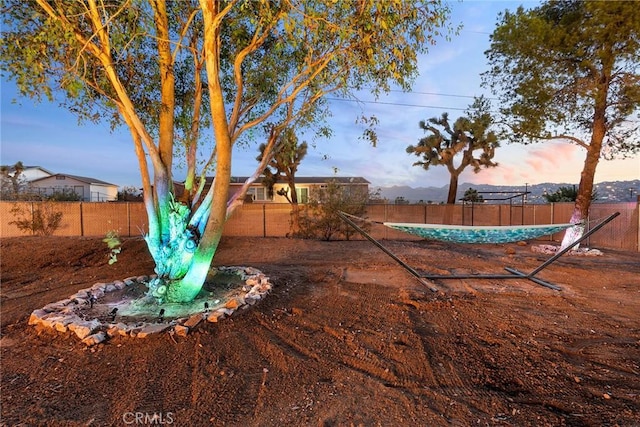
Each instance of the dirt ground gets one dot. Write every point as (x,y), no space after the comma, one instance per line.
(346,338)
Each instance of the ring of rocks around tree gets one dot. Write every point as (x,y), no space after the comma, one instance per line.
(120,308)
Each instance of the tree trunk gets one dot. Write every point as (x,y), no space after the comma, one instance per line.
(585,189)
(187,288)
(453,188)
(295,209)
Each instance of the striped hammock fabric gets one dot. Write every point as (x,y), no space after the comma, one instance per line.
(478,234)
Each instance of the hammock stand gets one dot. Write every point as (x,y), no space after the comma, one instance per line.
(515,274)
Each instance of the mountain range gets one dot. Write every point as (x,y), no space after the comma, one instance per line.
(609,191)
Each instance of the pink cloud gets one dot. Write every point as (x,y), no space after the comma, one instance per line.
(550,156)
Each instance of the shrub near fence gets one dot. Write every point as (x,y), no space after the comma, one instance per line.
(272,220)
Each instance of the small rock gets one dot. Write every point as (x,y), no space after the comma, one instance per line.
(83,329)
(60,327)
(232,304)
(521,243)
(54,306)
(94,339)
(193,321)
(37,316)
(51,321)
(129,281)
(607,396)
(251,299)
(181,331)
(97,293)
(117,329)
(510,251)
(252,282)
(215,316)
(152,329)
(98,287)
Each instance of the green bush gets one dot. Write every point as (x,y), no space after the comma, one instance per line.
(319,218)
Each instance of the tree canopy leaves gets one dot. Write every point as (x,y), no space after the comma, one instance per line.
(236,69)
(557,66)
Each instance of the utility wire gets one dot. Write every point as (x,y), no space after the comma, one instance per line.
(437,94)
(399,104)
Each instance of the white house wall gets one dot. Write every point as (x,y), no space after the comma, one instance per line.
(87,192)
(30,174)
(103,193)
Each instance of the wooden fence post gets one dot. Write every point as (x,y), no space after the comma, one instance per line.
(264,220)
(81,221)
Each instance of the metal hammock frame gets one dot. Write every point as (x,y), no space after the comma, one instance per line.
(426,279)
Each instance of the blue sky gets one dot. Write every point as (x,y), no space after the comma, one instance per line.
(46,135)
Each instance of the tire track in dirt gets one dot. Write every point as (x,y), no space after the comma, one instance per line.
(434,326)
(365,345)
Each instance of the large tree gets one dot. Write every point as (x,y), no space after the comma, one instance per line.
(183,73)
(446,140)
(283,165)
(569,70)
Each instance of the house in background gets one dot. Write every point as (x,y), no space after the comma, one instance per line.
(306,187)
(88,189)
(30,173)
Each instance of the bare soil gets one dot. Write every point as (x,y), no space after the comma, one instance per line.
(346,338)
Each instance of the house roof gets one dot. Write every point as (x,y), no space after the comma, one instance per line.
(11,168)
(83,179)
(237,180)
(310,180)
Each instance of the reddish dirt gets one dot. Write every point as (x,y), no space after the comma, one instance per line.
(346,337)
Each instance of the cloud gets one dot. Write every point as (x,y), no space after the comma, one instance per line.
(550,156)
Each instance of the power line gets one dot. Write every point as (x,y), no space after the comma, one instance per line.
(399,104)
(436,94)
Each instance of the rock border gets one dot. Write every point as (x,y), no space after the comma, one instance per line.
(62,316)
(552,249)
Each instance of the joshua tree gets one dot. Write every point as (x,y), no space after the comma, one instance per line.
(13,182)
(466,135)
(285,161)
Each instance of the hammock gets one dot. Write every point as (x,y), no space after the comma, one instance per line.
(478,234)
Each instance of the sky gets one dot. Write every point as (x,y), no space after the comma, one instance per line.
(47,135)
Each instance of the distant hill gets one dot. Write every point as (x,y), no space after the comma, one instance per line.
(610,191)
